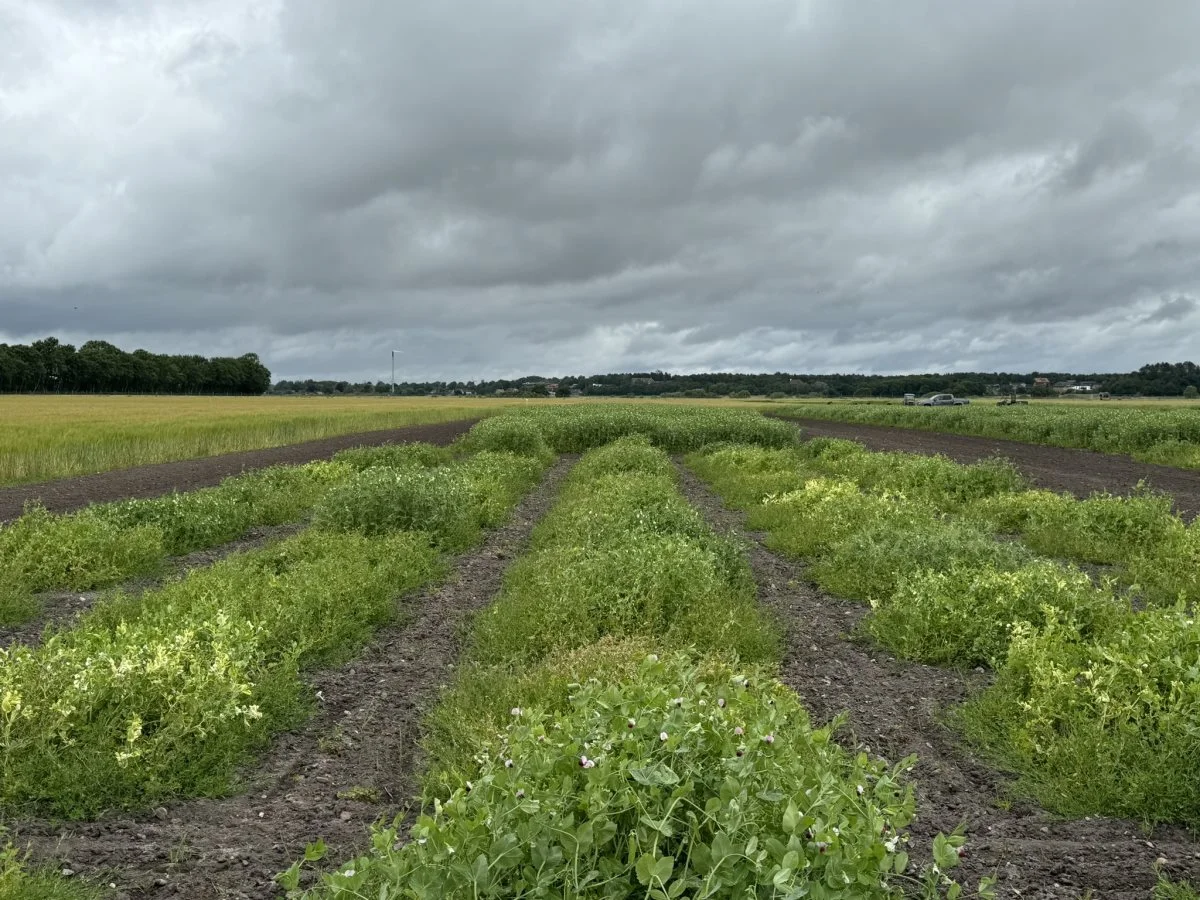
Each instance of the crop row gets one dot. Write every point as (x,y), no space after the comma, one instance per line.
(614,730)
(166,693)
(1096,699)
(675,429)
(107,543)
(1168,436)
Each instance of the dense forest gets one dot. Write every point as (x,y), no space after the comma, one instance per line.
(1157,380)
(98,367)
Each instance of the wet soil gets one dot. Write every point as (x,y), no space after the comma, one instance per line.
(68,494)
(897,708)
(59,608)
(1080,472)
(365,736)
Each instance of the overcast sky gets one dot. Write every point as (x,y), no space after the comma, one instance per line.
(576,186)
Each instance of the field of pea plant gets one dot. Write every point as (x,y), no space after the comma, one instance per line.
(1167,435)
(624,716)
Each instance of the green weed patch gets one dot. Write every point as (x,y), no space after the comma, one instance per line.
(664,783)
(676,429)
(1100,723)
(1094,704)
(1168,436)
(165,694)
(112,542)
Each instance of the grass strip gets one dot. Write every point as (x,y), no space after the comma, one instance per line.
(19,881)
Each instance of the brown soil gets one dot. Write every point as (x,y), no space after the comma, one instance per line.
(188,474)
(895,709)
(365,735)
(1081,472)
(58,608)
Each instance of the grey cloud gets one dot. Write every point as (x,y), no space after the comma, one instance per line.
(1120,140)
(1175,309)
(571,186)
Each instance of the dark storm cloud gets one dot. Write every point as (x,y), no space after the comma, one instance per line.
(1173,310)
(588,186)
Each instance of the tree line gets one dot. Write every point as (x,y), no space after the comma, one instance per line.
(1158,380)
(48,366)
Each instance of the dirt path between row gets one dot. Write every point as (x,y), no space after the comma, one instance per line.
(58,608)
(895,708)
(1080,472)
(186,475)
(364,736)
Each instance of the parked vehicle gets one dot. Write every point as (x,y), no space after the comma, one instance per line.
(1013,399)
(943,400)
(910,399)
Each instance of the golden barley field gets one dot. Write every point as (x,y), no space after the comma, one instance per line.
(43,437)
(46,437)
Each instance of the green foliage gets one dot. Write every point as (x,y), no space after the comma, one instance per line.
(478,705)
(676,429)
(934,478)
(1153,550)
(495,481)
(378,501)
(1100,724)
(868,563)
(510,433)
(823,512)
(628,455)
(1167,435)
(1012,513)
(1102,528)
(1166,889)
(17,603)
(394,456)
(650,584)
(613,731)
(600,510)
(742,798)
(164,694)
(213,516)
(111,542)
(965,614)
(19,882)
(40,551)
(1095,706)
(1168,572)
(623,554)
